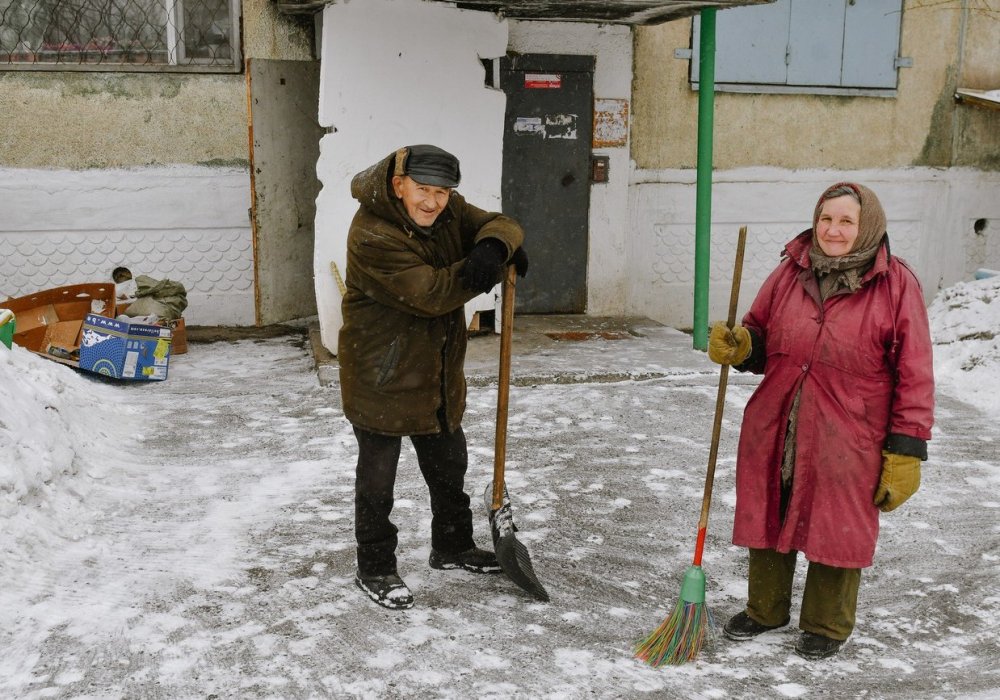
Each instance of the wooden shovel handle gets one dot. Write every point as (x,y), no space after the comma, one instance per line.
(720,402)
(503,385)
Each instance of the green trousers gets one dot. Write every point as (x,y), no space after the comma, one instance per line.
(829,602)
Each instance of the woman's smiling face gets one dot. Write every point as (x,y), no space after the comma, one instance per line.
(837,225)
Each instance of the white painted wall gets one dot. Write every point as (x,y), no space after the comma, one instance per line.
(395,73)
(184,222)
(611,45)
(931,214)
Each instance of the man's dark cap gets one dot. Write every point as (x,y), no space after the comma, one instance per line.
(428,165)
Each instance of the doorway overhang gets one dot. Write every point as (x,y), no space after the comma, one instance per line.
(632,12)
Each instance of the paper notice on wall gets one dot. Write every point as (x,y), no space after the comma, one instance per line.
(560,126)
(529,126)
(610,123)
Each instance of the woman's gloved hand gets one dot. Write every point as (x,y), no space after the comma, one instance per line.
(900,479)
(484,266)
(728,346)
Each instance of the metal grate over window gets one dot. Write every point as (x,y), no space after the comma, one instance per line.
(120,35)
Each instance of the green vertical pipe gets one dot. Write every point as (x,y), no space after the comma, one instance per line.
(703,193)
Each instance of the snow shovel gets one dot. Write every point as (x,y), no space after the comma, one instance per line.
(512,555)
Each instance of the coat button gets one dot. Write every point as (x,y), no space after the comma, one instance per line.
(805,368)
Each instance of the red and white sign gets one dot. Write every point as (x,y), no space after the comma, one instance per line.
(544,81)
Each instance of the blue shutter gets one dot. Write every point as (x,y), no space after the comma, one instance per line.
(750,44)
(806,43)
(871,43)
(816,42)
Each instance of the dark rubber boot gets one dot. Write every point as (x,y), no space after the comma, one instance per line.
(816,646)
(476,560)
(742,627)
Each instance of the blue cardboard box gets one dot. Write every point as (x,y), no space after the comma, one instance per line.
(124,350)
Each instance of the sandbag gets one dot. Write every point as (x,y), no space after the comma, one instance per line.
(165,299)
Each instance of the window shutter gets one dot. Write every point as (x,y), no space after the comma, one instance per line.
(871,43)
(816,42)
(806,43)
(750,44)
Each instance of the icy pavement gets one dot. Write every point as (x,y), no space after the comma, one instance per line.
(211,555)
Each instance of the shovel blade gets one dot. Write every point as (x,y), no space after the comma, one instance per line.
(511,553)
(516,564)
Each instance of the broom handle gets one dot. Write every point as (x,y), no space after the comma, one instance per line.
(503,386)
(720,402)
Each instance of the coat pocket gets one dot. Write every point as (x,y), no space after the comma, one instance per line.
(389,363)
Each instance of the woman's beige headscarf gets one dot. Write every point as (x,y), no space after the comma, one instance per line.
(847,270)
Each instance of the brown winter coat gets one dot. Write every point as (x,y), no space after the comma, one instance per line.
(864,367)
(402,346)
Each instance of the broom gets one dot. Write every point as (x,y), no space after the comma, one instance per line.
(681,636)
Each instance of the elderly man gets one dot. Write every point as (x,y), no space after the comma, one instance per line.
(416,252)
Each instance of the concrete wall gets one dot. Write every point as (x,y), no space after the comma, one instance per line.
(394,73)
(90,120)
(611,45)
(284,149)
(976,131)
(922,125)
(90,141)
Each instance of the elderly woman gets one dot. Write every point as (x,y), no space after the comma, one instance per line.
(839,424)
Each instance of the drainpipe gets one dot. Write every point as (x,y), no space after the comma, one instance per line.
(703,191)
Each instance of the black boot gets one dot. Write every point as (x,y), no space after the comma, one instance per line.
(476,560)
(389,591)
(815,646)
(742,627)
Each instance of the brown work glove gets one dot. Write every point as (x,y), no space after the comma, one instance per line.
(900,479)
(728,347)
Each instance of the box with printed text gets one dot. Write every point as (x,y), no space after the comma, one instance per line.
(124,350)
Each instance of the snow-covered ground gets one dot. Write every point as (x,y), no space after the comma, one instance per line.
(193,538)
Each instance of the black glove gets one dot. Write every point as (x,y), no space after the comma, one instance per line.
(484,266)
(520,262)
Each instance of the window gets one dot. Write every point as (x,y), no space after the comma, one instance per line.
(836,46)
(120,35)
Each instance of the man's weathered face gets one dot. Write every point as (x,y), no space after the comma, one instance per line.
(424,203)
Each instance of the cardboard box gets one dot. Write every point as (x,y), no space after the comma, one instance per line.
(121,350)
(62,339)
(51,320)
(178,341)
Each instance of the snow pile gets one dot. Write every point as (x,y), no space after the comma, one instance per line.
(965,327)
(54,430)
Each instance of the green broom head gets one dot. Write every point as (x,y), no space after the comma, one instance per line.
(681,636)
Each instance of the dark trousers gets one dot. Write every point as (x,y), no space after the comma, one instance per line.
(829,602)
(443,460)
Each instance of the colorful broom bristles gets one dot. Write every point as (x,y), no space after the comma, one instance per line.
(681,636)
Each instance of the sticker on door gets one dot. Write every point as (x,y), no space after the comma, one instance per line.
(542,81)
(529,126)
(560,126)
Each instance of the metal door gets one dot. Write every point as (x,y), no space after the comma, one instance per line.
(546,174)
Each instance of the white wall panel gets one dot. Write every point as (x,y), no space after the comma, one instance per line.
(186,223)
(395,73)
(931,215)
